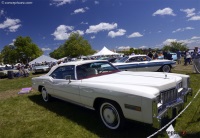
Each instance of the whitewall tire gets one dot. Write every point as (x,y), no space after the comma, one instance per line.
(45,96)
(111,115)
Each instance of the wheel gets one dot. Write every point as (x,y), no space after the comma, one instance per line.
(111,115)
(45,96)
(166,68)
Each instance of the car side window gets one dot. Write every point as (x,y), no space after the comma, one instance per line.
(144,58)
(133,59)
(64,71)
(86,70)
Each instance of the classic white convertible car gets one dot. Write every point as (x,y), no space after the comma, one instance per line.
(148,97)
(144,63)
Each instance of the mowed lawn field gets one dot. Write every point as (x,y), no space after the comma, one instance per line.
(28,116)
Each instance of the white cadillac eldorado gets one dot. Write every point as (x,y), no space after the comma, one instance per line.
(148,97)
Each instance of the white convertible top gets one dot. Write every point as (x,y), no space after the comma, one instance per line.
(75,63)
(80,62)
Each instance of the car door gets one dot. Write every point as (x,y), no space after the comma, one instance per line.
(144,65)
(132,64)
(67,89)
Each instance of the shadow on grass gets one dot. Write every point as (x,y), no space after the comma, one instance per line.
(91,121)
(191,135)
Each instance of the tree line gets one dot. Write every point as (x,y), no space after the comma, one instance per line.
(24,50)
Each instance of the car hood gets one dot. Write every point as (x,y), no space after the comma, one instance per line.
(158,80)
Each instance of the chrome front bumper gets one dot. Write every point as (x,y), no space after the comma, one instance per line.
(171,110)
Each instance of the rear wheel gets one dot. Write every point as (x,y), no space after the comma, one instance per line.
(45,96)
(111,115)
(166,68)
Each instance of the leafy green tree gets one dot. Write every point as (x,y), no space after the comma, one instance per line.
(26,49)
(9,54)
(75,46)
(1,58)
(175,46)
(58,53)
(23,50)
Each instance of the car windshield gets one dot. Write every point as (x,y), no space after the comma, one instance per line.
(95,69)
(121,60)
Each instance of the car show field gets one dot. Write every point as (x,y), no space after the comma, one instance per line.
(26,115)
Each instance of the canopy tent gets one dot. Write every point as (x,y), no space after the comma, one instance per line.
(104,52)
(43,58)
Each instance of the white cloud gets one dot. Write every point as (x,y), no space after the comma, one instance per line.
(143,47)
(165,11)
(194,18)
(14,28)
(13,41)
(79,31)
(195,37)
(182,29)
(96,2)
(191,42)
(92,37)
(135,34)
(60,2)
(11,24)
(189,12)
(194,41)
(101,27)
(80,10)
(168,41)
(62,32)
(84,22)
(113,34)
(187,41)
(124,47)
(45,49)
(1,12)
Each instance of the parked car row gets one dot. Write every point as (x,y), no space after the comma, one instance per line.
(4,71)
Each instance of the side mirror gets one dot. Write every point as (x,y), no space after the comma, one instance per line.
(68,77)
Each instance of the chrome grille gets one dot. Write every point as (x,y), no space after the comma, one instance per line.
(168,96)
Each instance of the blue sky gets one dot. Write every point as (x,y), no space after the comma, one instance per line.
(116,24)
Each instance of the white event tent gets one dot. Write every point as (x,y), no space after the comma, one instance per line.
(104,52)
(43,58)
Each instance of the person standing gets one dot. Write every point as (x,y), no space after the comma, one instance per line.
(194,55)
(155,55)
(188,57)
(165,54)
(178,56)
(150,55)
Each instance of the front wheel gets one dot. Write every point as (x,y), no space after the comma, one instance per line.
(45,96)
(111,115)
(166,68)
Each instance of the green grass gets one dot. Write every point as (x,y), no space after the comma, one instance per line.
(28,116)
